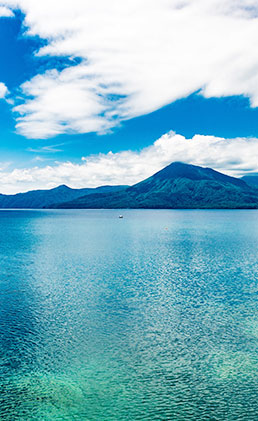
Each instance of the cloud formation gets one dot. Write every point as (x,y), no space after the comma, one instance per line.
(5,12)
(3,90)
(135,57)
(231,156)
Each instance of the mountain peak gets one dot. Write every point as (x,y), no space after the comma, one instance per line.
(177,186)
(62,187)
(193,172)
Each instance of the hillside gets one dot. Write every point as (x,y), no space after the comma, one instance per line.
(251,180)
(178,186)
(37,199)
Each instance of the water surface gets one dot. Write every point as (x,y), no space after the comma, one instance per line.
(150,317)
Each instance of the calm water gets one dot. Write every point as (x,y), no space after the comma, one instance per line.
(150,317)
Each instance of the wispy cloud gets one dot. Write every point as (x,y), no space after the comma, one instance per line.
(4,165)
(136,56)
(231,156)
(47,149)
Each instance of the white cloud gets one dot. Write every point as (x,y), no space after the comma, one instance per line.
(231,156)
(146,53)
(5,12)
(3,90)
(63,102)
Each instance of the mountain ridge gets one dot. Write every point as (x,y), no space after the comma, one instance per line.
(251,180)
(177,186)
(38,199)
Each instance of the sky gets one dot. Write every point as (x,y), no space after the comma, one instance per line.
(109,92)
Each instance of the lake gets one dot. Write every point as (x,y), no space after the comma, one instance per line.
(149,317)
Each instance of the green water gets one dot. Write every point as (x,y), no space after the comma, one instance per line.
(149,317)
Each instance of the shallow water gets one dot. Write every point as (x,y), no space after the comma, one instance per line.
(150,317)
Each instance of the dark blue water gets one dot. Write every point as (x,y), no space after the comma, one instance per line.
(150,317)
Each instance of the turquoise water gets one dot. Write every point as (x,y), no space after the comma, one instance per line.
(150,317)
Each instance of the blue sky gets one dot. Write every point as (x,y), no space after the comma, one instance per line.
(78,104)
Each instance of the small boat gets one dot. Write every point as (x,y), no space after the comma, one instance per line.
(120,216)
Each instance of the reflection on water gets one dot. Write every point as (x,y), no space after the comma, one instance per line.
(152,317)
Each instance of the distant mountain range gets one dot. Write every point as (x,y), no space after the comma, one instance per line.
(178,186)
(38,199)
(252,180)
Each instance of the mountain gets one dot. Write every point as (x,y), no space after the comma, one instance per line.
(178,186)
(251,180)
(37,199)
